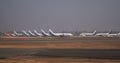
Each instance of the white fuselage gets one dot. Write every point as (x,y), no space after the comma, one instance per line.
(62,34)
(102,34)
(59,34)
(88,34)
(112,35)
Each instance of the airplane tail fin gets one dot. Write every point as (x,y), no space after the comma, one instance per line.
(25,32)
(110,31)
(14,32)
(31,33)
(35,31)
(119,33)
(44,33)
(94,32)
(51,31)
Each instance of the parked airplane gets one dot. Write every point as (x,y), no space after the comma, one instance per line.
(44,33)
(112,35)
(8,34)
(25,33)
(31,33)
(16,33)
(88,34)
(59,34)
(103,34)
(37,33)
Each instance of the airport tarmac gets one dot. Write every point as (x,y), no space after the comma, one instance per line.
(64,42)
(38,55)
(61,50)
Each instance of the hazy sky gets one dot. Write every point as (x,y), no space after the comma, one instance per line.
(60,15)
